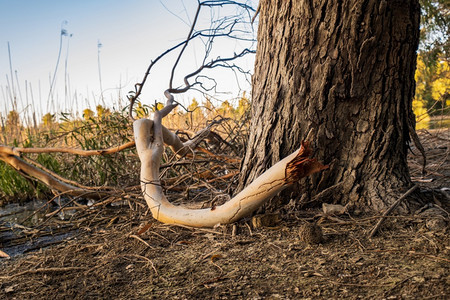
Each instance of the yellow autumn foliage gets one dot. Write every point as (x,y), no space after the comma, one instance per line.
(422,117)
(48,119)
(88,114)
(441,86)
(432,90)
(102,112)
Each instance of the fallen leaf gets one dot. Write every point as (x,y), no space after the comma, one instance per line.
(144,228)
(184,242)
(4,255)
(215,257)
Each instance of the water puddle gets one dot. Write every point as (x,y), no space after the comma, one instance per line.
(18,234)
(15,213)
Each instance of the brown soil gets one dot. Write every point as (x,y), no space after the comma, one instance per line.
(121,253)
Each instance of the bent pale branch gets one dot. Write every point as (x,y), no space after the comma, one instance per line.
(149,144)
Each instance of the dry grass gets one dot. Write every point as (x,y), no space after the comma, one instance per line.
(130,257)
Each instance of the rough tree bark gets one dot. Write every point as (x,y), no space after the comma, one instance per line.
(342,71)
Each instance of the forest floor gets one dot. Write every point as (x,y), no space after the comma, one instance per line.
(116,253)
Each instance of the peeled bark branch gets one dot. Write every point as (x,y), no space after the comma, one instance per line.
(149,144)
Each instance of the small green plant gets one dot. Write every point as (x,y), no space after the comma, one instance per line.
(13,186)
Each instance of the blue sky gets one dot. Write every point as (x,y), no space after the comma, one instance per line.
(132,33)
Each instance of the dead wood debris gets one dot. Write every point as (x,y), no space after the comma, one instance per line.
(114,248)
(405,259)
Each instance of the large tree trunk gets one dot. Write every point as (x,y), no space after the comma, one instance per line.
(342,71)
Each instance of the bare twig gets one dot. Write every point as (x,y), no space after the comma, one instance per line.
(387,212)
(256,13)
(146,259)
(141,240)
(224,27)
(185,45)
(18,150)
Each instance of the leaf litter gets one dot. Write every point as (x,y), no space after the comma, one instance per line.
(122,253)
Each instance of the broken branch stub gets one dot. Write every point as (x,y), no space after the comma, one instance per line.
(149,144)
(301,165)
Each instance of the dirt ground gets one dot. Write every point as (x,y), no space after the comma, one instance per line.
(120,254)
